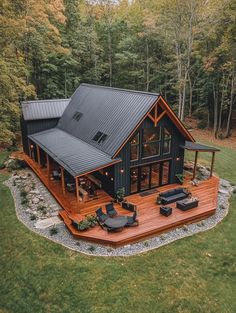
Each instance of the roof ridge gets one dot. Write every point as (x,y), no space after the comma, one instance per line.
(121,89)
(43,100)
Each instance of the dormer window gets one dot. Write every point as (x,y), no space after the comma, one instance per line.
(100,137)
(77,115)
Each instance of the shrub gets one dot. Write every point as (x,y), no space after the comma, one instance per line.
(23,193)
(24,201)
(16,164)
(91,248)
(32,217)
(53,231)
(42,208)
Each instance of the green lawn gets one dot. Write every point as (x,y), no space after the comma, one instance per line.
(3,157)
(196,274)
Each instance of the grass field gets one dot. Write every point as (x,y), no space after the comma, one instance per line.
(195,274)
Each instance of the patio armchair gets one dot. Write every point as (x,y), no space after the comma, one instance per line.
(132,220)
(101,217)
(56,174)
(128,206)
(111,211)
(70,187)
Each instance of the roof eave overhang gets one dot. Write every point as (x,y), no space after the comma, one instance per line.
(66,167)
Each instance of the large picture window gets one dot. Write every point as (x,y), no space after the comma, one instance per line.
(151,142)
(166,141)
(134,153)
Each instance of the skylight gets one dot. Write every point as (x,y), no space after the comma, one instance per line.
(100,137)
(77,115)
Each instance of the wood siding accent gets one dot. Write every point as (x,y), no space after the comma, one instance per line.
(32,127)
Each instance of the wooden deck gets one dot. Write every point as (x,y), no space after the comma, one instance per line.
(150,220)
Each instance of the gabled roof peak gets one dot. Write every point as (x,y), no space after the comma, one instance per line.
(121,89)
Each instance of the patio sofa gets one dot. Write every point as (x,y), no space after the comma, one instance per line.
(172,196)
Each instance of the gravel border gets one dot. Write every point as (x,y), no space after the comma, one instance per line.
(64,237)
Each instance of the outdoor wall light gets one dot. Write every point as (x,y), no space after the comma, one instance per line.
(31,146)
(122,171)
(112,178)
(106,173)
(178,158)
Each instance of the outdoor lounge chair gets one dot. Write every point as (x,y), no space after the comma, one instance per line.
(132,220)
(101,217)
(110,210)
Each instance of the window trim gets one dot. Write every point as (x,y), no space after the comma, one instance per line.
(151,142)
(137,145)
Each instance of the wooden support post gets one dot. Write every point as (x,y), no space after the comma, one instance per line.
(159,118)
(155,114)
(48,166)
(38,155)
(212,163)
(77,191)
(29,144)
(195,165)
(63,181)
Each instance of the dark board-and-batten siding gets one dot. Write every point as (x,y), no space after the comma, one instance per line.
(35,126)
(176,157)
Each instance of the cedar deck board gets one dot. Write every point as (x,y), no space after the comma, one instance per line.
(150,221)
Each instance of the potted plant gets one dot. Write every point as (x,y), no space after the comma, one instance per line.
(92,220)
(120,194)
(83,225)
(180,178)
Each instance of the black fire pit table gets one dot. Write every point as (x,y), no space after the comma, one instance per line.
(116,222)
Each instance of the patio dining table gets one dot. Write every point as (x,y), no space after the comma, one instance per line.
(116,222)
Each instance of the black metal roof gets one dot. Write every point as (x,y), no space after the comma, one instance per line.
(195,146)
(111,111)
(73,154)
(43,109)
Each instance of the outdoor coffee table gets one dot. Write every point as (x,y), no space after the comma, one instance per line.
(187,204)
(116,222)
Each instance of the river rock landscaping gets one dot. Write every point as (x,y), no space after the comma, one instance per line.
(38,210)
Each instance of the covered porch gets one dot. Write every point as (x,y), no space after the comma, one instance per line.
(81,173)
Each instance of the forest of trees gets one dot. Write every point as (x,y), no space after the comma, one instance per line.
(184,49)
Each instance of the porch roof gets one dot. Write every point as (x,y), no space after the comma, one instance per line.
(73,154)
(195,146)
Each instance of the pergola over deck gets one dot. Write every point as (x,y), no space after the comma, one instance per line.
(197,147)
(72,154)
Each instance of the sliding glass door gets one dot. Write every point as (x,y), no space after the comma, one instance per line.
(149,176)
